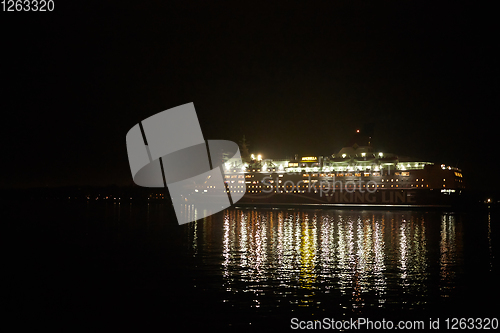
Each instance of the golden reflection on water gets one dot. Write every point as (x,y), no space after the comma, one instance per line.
(490,248)
(357,255)
(450,250)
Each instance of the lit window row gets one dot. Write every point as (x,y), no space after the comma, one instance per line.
(346,186)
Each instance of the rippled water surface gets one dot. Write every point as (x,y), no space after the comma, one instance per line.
(253,268)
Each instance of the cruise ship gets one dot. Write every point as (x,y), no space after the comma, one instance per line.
(358,175)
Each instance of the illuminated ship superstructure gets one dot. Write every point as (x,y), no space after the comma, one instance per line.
(358,175)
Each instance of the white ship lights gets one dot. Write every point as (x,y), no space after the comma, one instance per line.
(363,161)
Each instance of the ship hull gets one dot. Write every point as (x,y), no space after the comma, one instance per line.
(378,198)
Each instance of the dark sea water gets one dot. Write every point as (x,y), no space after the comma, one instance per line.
(112,266)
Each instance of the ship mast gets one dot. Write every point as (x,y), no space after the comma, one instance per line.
(245,155)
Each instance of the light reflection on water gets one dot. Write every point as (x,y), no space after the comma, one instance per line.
(367,258)
(450,249)
(490,247)
(252,267)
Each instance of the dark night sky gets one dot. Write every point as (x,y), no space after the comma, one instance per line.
(293,77)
